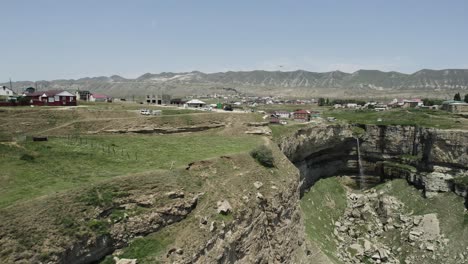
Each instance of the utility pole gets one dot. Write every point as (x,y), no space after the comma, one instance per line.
(11,87)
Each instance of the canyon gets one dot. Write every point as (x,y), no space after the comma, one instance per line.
(263,219)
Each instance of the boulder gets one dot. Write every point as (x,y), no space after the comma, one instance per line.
(258,185)
(175,195)
(357,249)
(212,226)
(224,207)
(125,261)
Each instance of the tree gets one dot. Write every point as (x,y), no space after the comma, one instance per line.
(466,98)
(321,101)
(327,102)
(428,102)
(457,97)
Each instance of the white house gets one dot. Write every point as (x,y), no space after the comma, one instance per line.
(5,92)
(283,114)
(195,103)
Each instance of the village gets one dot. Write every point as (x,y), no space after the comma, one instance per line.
(274,109)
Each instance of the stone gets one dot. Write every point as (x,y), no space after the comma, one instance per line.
(430,247)
(382,253)
(175,195)
(212,226)
(125,261)
(258,185)
(356,214)
(359,250)
(428,227)
(260,196)
(224,207)
(343,228)
(367,245)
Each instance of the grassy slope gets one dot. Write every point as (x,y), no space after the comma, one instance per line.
(278,131)
(322,206)
(60,165)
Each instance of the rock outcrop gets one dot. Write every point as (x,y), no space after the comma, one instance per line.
(431,159)
(374,220)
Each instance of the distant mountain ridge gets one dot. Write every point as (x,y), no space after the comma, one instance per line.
(303,82)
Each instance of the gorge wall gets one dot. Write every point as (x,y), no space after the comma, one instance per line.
(432,159)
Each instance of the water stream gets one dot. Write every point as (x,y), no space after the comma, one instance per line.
(361,169)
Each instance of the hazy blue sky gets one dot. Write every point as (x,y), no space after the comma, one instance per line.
(51,39)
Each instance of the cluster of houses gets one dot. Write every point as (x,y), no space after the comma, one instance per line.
(64,98)
(48,98)
(300,115)
(242,99)
(379,106)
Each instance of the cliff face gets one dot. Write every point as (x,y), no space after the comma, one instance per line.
(432,147)
(431,159)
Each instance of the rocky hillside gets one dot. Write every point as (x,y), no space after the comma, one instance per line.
(418,213)
(303,83)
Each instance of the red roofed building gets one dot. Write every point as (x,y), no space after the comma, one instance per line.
(99,98)
(51,98)
(301,115)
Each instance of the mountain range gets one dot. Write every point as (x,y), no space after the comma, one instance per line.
(300,83)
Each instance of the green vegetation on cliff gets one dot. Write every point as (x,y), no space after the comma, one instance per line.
(322,205)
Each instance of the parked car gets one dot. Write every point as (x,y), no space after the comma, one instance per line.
(145,112)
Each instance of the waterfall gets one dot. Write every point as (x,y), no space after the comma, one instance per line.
(361,169)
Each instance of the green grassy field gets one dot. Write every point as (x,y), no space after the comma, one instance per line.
(322,206)
(277,131)
(31,169)
(419,117)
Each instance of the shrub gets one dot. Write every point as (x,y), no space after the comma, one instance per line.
(99,226)
(27,157)
(263,155)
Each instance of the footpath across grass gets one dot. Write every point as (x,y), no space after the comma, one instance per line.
(31,169)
